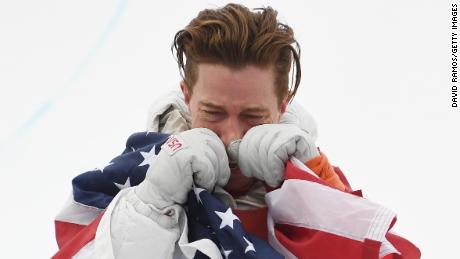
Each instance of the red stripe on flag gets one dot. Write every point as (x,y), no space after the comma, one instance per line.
(254,221)
(310,243)
(343,178)
(84,236)
(65,231)
(404,246)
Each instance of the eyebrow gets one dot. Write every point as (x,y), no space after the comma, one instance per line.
(211,105)
(256,110)
(249,109)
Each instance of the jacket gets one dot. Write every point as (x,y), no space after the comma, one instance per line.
(105,219)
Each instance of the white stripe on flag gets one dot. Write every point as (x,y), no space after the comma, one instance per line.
(315,206)
(77,213)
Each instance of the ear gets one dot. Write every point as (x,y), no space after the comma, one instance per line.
(283,106)
(185,91)
(284,103)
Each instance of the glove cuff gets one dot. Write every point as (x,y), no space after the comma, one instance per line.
(149,195)
(167,217)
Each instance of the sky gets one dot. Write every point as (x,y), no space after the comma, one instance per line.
(77,78)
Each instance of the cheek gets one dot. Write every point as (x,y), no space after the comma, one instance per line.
(196,121)
(276,117)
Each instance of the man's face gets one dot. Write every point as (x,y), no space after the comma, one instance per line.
(230,102)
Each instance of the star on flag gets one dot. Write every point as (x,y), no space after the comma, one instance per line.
(123,186)
(227,218)
(149,157)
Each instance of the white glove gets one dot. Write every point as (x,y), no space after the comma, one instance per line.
(196,155)
(266,148)
(296,114)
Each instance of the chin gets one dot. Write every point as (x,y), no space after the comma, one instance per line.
(238,184)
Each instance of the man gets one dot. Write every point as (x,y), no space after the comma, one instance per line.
(234,132)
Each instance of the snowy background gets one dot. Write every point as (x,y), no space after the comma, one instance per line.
(77,78)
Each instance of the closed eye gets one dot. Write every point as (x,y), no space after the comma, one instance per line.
(213,112)
(213,115)
(254,119)
(252,116)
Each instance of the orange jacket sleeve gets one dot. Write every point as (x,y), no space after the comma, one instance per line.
(321,166)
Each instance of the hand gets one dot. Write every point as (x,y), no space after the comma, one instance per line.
(265,149)
(296,114)
(196,155)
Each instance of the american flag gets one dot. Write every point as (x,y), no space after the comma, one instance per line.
(306,218)
(209,218)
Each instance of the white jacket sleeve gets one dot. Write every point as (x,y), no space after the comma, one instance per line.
(148,220)
(133,229)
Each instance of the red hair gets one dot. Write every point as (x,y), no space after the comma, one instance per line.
(235,36)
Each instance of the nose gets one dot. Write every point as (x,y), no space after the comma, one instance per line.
(232,130)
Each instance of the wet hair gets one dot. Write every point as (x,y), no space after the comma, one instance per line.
(235,36)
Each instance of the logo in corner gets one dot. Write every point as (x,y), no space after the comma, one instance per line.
(173,144)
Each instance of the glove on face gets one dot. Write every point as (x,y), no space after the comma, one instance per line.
(265,149)
(196,155)
(296,114)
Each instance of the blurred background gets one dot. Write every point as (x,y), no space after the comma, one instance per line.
(77,78)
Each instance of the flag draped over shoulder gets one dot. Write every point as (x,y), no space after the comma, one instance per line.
(305,218)
(93,190)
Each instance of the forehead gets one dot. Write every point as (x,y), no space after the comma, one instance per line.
(250,87)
